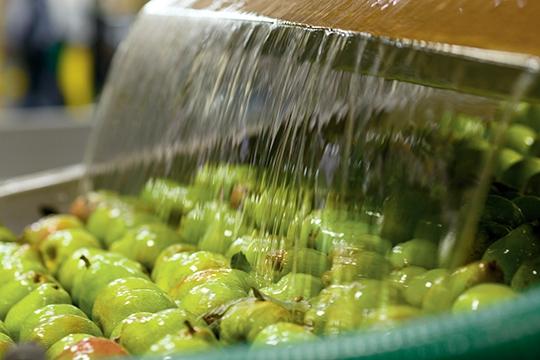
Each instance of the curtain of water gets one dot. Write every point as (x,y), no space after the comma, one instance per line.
(188,91)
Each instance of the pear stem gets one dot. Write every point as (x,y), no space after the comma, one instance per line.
(87,262)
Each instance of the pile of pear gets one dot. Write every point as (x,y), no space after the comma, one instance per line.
(226,260)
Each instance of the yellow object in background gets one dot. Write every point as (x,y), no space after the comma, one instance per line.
(76,75)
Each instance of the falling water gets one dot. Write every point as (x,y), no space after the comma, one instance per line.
(311,106)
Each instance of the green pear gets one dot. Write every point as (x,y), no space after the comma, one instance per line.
(519,138)
(429,229)
(43,314)
(54,328)
(179,266)
(294,287)
(64,344)
(138,332)
(403,276)
(239,245)
(282,333)
(389,316)
(416,252)
(220,233)
(96,275)
(174,344)
(45,294)
(216,286)
(109,224)
(482,296)
(443,293)
(35,233)
(171,251)
(5,344)
(512,250)
(221,180)
(124,297)
(145,243)
(519,173)
(365,264)
(84,205)
(504,159)
(340,308)
(418,285)
(196,222)
(308,261)
(74,264)
(3,328)
(58,246)
(527,275)
(6,235)
(267,256)
(15,290)
(244,320)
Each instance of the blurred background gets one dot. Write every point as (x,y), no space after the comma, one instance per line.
(54,58)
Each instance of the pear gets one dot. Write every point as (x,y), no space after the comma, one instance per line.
(171,251)
(64,344)
(45,294)
(216,286)
(520,138)
(365,264)
(418,285)
(429,229)
(145,243)
(84,205)
(505,158)
(110,223)
(175,344)
(3,328)
(139,331)
(482,296)
(196,222)
(520,172)
(244,320)
(74,264)
(403,276)
(389,316)
(54,328)
(96,275)
(173,271)
(416,252)
(443,293)
(75,346)
(239,245)
(221,232)
(5,344)
(15,290)
(58,246)
(294,287)
(6,235)
(316,317)
(502,211)
(35,233)
(510,251)
(222,180)
(282,333)
(43,314)
(308,261)
(527,275)
(124,297)
(267,256)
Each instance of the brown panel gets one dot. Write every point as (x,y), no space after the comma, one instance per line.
(509,25)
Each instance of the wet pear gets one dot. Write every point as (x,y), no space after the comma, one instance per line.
(139,331)
(93,348)
(529,206)
(388,316)
(443,293)
(35,233)
(308,261)
(15,290)
(505,159)
(416,252)
(145,243)
(64,344)
(519,138)
(282,333)
(54,328)
(365,264)
(124,297)
(58,246)
(482,296)
(171,251)
(418,285)
(294,287)
(195,223)
(45,294)
(175,344)
(43,314)
(527,275)
(244,320)
(74,264)
(520,172)
(173,271)
(403,276)
(512,250)
(220,234)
